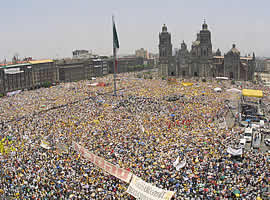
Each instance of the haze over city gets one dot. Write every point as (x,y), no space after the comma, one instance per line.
(53,29)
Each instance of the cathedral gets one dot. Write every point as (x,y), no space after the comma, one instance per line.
(201,61)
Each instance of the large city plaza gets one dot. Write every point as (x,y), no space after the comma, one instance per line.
(144,129)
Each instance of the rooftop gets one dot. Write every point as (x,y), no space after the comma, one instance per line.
(41,61)
(25,63)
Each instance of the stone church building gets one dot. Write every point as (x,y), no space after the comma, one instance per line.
(201,61)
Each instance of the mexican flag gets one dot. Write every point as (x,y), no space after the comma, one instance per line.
(115,47)
(115,37)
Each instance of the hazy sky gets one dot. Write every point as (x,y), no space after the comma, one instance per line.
(53,28)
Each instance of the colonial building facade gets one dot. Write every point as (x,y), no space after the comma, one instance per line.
(201,61)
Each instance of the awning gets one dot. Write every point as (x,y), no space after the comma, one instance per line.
(187,84)
(252,93)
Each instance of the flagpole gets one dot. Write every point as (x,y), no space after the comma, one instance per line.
(114,75)
(114,63)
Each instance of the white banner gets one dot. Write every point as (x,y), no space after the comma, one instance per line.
(145,191)
(122,174)
(179,165)
(235,152)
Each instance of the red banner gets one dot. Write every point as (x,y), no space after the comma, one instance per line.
(122,174)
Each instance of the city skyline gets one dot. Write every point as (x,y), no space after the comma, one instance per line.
(54,29)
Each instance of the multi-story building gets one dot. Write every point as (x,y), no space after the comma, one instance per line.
(73,70)
(43,72)
(28,75)
(80,69)
(37,73)
(200,61)
(16,77)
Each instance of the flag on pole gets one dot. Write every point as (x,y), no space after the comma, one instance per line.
(115,37)
(115,47)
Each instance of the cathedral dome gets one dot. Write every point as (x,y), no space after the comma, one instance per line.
(234,50)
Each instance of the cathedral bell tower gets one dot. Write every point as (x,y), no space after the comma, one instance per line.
(165,45)
(165,51)
(205,41)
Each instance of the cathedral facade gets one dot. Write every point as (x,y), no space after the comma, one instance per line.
(201,61)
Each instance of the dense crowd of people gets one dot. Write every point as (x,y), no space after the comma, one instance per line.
(139,130)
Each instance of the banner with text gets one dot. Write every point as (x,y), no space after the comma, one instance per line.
(145,191)
(235,152)
(122,174)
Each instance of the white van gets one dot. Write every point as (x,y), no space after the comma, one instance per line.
(248,134)
(242,142)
